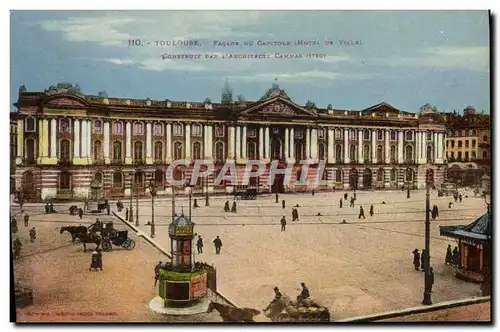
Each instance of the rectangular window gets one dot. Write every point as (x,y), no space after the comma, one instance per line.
(97,127)
(30,124)
(321,133)
(466,155)
(452,154)
(393,135)
(473,155)
(197,130)
(473,143)
(252,132)
(117,128)
(459,155)
(429,136)
(138,128)
(219,130)
(299,133)
(460,143)
(178,129)
(380,135)
(158,129)
(352,134)
(453,143)
(338,134)
(366,135)
(466,143)
(409,136)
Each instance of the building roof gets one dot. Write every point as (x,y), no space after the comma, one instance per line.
(479,231)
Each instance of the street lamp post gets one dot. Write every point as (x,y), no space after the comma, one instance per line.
(408,191)
(190,191)
(427,286)
(277,199)
(131,208)
(206,193)
(152,190)
(137,206)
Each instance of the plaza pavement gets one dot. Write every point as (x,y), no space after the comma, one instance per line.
(358,268)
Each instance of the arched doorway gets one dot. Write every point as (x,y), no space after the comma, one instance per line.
(276,148)
(28,183)
(353,178)
(429,177)
(277,185)
(367,178)
(254,180)
(410,176)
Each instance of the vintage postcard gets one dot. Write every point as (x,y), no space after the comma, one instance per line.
(250,166)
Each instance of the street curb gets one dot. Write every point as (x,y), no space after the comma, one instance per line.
(159,248)
(415,310)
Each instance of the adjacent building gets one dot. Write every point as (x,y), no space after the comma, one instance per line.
(13,149)
(66,140)
(468,146)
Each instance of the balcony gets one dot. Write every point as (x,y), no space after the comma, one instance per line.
(117,162)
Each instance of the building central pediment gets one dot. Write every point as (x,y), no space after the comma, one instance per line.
(278,107)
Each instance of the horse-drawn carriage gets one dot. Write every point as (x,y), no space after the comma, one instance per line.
(117,238)
(247,194)
(286,310)
(447,189)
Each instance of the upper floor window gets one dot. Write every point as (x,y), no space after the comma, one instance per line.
(117,128)
(393,135)
(466,143)
(252,132)
(380,135)
(460,143)
(485,138)
(299,133)
(158,129)
(178,129)
(197,130)
(470,132)
(30,124)
(409,135)
(97,127)
(366,134)
(429,136)
(138,128)
(321,133)
(64,125)
(453,144)
(473,143)
(219,130)
(338,134)
(464,132)
(352,134)
(474,132)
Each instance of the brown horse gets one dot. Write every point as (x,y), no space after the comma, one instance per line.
(84,237)
(233,314)
(73,230)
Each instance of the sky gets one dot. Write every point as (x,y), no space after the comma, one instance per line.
(404,58)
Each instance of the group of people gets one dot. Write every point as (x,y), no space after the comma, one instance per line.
(420,260)
(15,228)
(119,206)
(452,257)
(233,208)
(49,208)
(301,298)
(217,244)
(434,212)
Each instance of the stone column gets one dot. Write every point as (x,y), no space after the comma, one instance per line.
(308,143)
(346,146)
(238,142)
(53,141)
(331,149)
(76,139)
(423,147)
(188,142)
(244,143)
(84,151)
(90,155)
(374,147)
(107,159)
(416,137)
(20,141)
(210,141)
(128,143)
(230,143)
(261,143)
(400,147)
(267,144)
(387,147)
(205,141)
(149,155)
(314,144)
(287,141)
(360,147)
(168,148)
(292,145)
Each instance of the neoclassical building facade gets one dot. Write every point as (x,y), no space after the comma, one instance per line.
(66,140)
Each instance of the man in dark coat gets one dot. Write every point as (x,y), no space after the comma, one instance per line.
(424,259)
(416,259)
(455,257)
(437,211)
(449,255)
(361,213)
(13,224)
(108,208)
(26,220)
(460,198)
(32,234)
(80,213)
(99,258)
(199,245)
(352,202)
(157,271)
(312,192)
(283,224)
(371,210)
(345,196)
(47,208)
(226,206)
(449,205)
(340,205)
(233,209)
(293,214)
(218,245)
(283,204)
(296,214)
(195,205)
(304,294)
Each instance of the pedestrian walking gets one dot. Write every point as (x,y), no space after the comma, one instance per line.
(233,209)
(424,259)
(226,206)
(312,192)
(80,213)
(108,210)
(345,196)
(85,205)
(199,245)
(340,204)
(455,257)
(297,214)
(352,202)
(283,204)
(361,213)
(283,224)
(157,271)
(99,258)
(293,214)
(32,234)
(26,220)
(449,255)
(218,245)
(437,211)
(460,198)
(416,259)
(195,205)
(450,204)
(371,210)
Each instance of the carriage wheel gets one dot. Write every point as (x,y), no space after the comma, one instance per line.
(106,246)
(129,244)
